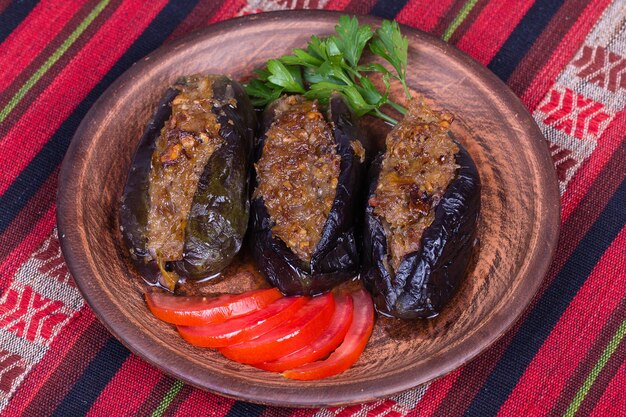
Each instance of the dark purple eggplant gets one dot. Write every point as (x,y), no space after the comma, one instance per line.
(335,259)
(426,279)
(219,207)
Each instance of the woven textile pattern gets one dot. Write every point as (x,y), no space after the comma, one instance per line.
(566,60)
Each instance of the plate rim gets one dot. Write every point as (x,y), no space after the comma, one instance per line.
(114,319)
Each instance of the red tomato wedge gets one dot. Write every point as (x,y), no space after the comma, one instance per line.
(351,348)
(328,341)
(197,311)
(304,327)
(241,329)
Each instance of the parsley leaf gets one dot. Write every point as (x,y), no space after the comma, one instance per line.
(352,38)
(333,64)
(288,77)
(390,45)
(262,94)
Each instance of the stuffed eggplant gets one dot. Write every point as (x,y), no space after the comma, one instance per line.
(305,204)
(185,206)
(421,216)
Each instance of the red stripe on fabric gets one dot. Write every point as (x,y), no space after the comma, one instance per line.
(301,412)
(71,86)
(25,247)
(61,346)
(606,375)
(571,338)
(469,20)
(130,386)
(563,54)
(597,193)
(61,381)
(42,83)
(587,173)
(337,4)
(548,41)
(434,395)
(470,379)
(423,16)
(197,18)
(229,9)
(586,365)
(163,385)
(360,6)
(43,23)
(23,224)
(484,38)
(613,399)
(442,24)
(201,400)
(178,399)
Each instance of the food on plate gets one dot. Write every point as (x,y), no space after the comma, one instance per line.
(243,328)
(301,329)
(303,337)
(185,205)
(305,205)
(423,203)
(334,64)
(328,341)
(350,349)
(421,216)
(198,311)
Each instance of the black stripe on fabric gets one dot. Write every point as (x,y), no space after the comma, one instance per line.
(523,37)
(86,390)
(550,307)
(51,154)
(388,9)
(13,16)
(243,409)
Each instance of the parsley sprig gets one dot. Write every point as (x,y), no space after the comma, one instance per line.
(334,64)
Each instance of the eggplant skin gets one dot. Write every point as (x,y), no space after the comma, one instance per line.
(426,279)
(135,198)
(219,212)
(336,257)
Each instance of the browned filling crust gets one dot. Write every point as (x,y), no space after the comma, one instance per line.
(417,168)
(298,173)
(185,144)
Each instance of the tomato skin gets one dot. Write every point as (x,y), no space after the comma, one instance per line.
(304,327)
(351,348)
(328,341)
(244,328)
(198,311)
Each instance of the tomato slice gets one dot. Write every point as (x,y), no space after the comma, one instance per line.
(197,311)
(305,326)
(351,348)
(241,329)
(328,341)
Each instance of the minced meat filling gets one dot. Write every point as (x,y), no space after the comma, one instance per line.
(417,168)
(297,174)
(185,144)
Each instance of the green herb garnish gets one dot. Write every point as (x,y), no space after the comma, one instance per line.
(334,64)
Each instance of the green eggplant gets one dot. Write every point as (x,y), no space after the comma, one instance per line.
(184,209)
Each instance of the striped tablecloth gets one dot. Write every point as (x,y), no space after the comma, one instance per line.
(566,60)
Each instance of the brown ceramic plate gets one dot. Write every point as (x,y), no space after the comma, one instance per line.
(518,227)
